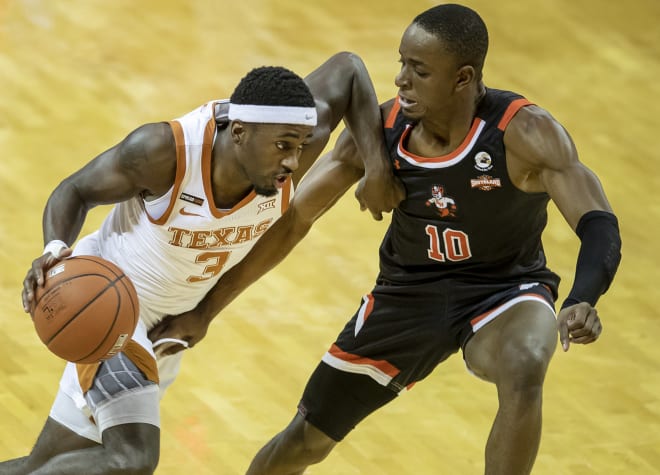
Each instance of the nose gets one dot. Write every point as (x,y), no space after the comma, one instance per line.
(402,79)
(291,160)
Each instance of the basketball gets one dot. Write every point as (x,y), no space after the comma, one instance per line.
(87,309)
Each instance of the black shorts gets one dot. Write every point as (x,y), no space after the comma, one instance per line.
(397,337)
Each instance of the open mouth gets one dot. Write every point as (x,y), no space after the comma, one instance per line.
(404,102)
(280,180)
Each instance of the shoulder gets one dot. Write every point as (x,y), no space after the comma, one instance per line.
(157,136)
(148,154)
(536,138)
(152,140)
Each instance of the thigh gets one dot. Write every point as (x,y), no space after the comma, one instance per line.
(398,336)
(137,445)
(55,439)
(122,394)
(335,401)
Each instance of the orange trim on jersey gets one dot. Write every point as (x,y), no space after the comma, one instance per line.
(381,365)
(180,143)
(443,158)
(389,123)
(510,111)
(218,213)
(207,154)
(286,194)
(479,318)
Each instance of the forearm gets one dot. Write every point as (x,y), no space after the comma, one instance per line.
(269,251)
(364,121)
(599,257)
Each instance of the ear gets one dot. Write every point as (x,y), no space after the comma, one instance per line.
(465,76)
(237,131)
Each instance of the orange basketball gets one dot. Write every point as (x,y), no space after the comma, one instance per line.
(87,309)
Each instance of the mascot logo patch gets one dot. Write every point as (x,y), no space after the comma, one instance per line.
(444,205)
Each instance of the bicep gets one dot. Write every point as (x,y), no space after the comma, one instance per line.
(575,190)
(331,85)
(542,151)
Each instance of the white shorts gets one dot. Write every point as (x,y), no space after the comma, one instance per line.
(131,399)
(135,403)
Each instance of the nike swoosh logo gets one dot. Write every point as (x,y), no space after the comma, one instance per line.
(183,212)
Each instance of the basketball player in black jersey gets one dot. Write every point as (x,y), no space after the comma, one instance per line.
(462,265)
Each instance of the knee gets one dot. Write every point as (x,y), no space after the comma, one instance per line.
(132,462)
(132,449)
(307,443)
(295,448)
(524,362)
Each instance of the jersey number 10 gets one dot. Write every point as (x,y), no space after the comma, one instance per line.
(455,243)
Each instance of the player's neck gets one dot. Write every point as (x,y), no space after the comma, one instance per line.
(228,182)
(437,136)
(445,132)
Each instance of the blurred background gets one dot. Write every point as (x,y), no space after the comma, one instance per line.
(76,77)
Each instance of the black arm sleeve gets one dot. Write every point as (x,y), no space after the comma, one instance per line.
(600,254)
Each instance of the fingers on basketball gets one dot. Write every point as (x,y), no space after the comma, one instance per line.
(87,309)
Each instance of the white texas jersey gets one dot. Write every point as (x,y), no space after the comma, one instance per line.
(176,247)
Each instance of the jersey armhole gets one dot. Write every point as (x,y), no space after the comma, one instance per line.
(180,143)
(511,111)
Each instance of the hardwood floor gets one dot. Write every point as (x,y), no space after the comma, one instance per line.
(76,77)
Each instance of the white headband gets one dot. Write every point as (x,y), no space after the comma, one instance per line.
(273,114)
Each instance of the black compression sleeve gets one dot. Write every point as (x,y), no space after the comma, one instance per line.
(600,254)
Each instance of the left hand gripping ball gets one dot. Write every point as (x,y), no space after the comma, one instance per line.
(87,309)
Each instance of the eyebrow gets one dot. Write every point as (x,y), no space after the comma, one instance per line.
(293,135)
(415,62)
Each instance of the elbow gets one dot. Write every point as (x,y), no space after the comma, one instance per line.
(348,57)
(349,62)
(67,199)
(68,191)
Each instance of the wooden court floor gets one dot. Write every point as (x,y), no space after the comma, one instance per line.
(75,77)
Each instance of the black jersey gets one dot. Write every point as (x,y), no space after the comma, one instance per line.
(462,217)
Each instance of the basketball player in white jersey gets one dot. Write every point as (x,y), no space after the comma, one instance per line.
(192,197)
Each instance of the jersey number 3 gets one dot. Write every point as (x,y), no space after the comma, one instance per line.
(455,243)
(215,261)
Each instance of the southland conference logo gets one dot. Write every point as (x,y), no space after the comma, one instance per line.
(485,182)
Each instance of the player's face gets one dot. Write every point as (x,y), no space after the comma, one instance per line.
(427,78)
(271,153)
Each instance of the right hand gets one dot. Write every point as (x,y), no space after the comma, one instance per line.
(379,192)
(35,276)
(188,327)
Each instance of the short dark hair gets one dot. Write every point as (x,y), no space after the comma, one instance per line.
(272,86)
(460,29)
